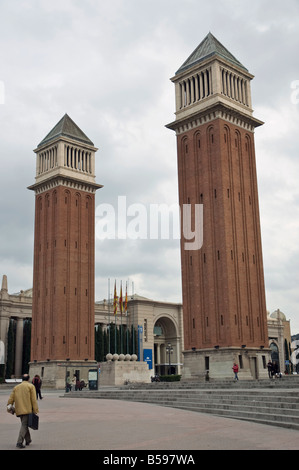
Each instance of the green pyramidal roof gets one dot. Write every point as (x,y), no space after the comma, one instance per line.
(209,47)
(67,128)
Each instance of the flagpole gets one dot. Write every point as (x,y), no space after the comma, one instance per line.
(115,333)
(115,342)
(109,315)
(126,310)
(121,316)
(115,313)
(133,329)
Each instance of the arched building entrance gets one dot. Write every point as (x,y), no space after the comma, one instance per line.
(166,347)
(275,355)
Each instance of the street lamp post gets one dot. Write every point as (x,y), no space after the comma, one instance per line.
(169,350)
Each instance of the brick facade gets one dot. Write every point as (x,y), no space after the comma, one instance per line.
(63,286)
(64,247)
(225,318)
(223,286)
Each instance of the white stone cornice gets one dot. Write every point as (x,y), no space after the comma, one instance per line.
(218,111)
(67,182)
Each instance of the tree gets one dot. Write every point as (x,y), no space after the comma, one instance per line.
(99,343)
(26,346)
(121,340)
(11,342)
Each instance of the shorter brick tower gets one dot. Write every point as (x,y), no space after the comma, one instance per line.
(224,305)
(63,277)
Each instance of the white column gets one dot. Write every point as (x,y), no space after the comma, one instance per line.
(83,164)
(201,86)
(61,154)
(178,355)
(211,81)
(196,88)
(37,164)
(223,82)
(158,358)
(181,94)
(206,83)
(91,163)
(192,99)
(188,92)
(185,94)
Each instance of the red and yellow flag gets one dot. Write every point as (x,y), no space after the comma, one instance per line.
(121,306)
(126,300)
(115,300)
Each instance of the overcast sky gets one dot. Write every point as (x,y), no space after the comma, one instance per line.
(108,65)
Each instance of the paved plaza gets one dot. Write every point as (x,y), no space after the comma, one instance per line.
(95,424)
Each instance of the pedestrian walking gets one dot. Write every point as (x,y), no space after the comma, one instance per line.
(74,381)
(23,397)
(68,384)
(38,385)
(235,370)
(270,369)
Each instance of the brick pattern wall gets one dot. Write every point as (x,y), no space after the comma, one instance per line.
(63,284)
(223,282)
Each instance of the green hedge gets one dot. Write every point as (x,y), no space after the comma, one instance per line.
(170,378)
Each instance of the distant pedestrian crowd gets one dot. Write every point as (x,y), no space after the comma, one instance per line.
(273,370)
(74,384)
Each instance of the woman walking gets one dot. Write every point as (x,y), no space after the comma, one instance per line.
(38,385)
(236,370)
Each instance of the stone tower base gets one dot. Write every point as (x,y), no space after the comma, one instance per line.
(54,373)
(252,364)
(120,372)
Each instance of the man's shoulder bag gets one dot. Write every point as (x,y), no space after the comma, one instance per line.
(33,420)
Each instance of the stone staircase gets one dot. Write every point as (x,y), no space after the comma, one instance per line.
(268,402)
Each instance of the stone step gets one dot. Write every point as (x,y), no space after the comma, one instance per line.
(284,382)
(286,405)
(279,408)
(293,414)
(275,397)
(290,408)
(286,421)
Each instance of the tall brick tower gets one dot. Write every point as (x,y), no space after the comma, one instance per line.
(63,277)
(223,281)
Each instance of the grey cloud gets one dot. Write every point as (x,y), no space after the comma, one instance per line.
(108,65)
